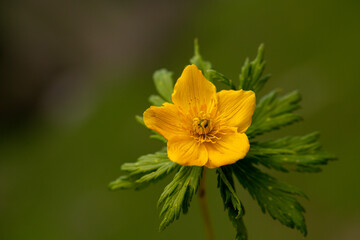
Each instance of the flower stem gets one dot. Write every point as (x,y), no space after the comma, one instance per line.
(204,209)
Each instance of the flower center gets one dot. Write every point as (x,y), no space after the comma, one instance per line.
(203,128)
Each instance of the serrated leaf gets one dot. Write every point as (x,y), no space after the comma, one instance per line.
(197,59)
(239,225)
(147,169)
(164,83)
(273,112)
(251,73)
(227,190)
(125,182)
(231,202)
(178,193)
(301,154)
(156,100)
(216,76)
(273,197)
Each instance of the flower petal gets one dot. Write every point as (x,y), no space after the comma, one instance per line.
(164,120)
(229,149)
(192,89)
(236,108)
(187,151)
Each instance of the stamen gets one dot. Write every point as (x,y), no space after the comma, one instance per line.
(204,129)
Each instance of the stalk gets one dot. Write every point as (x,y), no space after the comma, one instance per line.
(204,208)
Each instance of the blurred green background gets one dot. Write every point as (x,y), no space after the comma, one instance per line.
(74,73)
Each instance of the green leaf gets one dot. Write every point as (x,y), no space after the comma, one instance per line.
(203,65)
(238,223)
(164,83)
(147,169)
(157,136)
(177,195)
(273,197)
(301,154)
(251,73)
(231,202)
(140,120)
(272,113)
(216,76)
(156,100)
(125,182)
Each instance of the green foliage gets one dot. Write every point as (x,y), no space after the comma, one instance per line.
(177,195)
(274,197)
(302,154)
(206,68)
(238,223)
(231,202)
(203,65)
(156,100)
(251,73)
(273,112)
(214,75)
(148,169)
(157,136)
(164,83)
(140,120)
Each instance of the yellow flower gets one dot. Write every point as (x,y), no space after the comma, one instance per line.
(203,127)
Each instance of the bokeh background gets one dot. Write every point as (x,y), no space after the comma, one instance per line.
(73,74)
